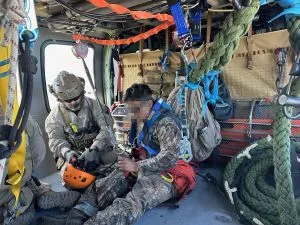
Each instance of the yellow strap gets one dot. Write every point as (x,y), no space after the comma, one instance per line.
(168,177)
(16,162)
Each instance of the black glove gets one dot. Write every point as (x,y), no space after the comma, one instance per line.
(93,158)
(71,156)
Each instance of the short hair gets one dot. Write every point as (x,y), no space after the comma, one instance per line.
(138,92)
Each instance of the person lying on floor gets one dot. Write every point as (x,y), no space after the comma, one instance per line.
(114,200)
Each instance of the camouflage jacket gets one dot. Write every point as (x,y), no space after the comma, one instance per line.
(89,115)
(35,154)
(167,134)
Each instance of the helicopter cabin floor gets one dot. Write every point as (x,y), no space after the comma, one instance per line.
(206,205)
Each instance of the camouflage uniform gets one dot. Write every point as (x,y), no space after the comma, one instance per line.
(35,154)
(90,120)
(36,151)
(32,191)
(150,188)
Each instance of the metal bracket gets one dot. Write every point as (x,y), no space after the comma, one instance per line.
(285,99)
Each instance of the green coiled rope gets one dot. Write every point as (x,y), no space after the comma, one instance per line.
(257,201)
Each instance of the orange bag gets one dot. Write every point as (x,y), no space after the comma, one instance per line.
(184,178)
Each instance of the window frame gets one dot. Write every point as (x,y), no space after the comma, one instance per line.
(42,58)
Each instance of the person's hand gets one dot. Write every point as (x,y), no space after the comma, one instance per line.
(127,165)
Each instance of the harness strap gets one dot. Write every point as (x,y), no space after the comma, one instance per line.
(137,15)
(14,166)
(211,97)
(67,120)
(5,71)
(152,118)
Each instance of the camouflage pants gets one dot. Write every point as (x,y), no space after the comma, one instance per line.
(148,192)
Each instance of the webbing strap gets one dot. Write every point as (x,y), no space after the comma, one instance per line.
(4,74)
(137,15)
(188,84)
(16,167)
(152,118)
(4,62)
(211,96)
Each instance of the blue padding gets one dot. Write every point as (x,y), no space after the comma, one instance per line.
(291,8)
(154,113)
(179,19)
(152,152)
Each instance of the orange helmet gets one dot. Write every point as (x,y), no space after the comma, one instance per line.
(76,178)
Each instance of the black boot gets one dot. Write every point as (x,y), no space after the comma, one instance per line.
(73,217)
(53,219)
(76,217)
(85,208)
(52,199)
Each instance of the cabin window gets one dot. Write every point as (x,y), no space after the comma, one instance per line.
(58,57)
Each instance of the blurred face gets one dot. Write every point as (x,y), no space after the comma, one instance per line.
(74,104)
(139,110)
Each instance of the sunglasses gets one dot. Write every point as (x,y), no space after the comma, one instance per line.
(73,99)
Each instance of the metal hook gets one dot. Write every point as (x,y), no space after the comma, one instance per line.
(190,6)
(286,100)
(183,55)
